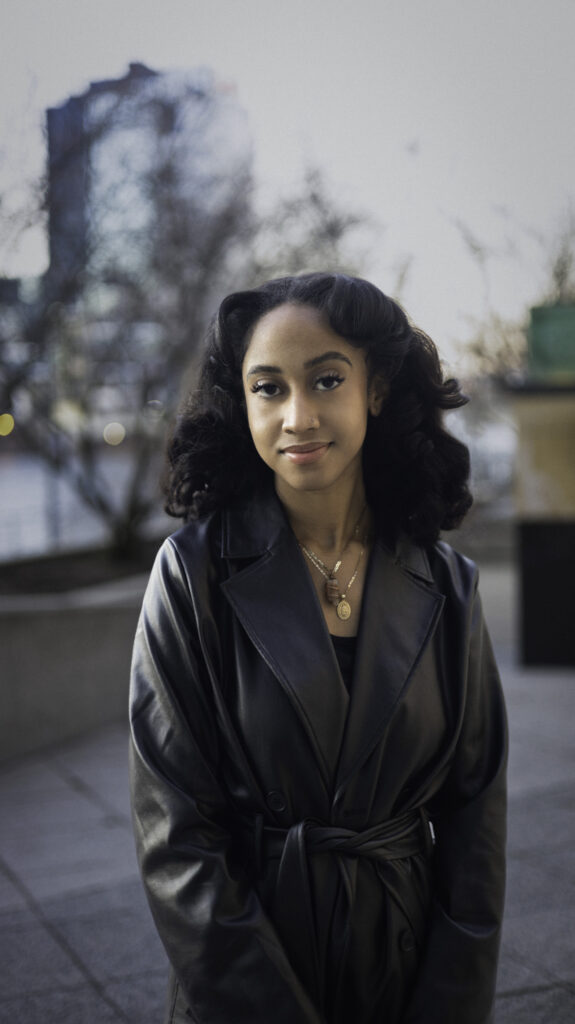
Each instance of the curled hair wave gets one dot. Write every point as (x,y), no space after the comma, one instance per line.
(416,473)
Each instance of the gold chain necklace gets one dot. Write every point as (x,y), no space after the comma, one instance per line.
(333,593)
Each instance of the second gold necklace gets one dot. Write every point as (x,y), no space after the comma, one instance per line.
(332,592)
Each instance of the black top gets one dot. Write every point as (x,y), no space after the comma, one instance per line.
(344,647)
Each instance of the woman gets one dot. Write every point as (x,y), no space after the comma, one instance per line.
(319,739)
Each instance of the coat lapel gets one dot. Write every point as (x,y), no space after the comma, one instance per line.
(399,613)
(277,605)
(273,597)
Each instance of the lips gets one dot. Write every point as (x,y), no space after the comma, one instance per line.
(311,446)
(305,453)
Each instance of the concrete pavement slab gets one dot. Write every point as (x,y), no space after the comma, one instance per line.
(78,1006)
(124,896)
(113,932)
(33,961)
(540,883)
(97,764)
(150,1004)
(548,1005)
(537,822)
(544,940)
(54,864)
(11,899)
(515,977)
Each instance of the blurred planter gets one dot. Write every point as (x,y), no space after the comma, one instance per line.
(67,624)
(65,662)
(76,569)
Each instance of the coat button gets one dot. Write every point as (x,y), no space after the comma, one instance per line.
(406,941)
(276,801)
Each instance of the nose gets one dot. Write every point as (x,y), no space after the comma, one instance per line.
(300,413)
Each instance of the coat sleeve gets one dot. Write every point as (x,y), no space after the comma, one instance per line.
(457,979)
(224,950)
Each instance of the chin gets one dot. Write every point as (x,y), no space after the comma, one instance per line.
(307,483)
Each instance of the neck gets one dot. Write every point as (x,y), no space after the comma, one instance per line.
(321,520)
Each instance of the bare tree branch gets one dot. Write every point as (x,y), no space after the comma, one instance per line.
(150,223)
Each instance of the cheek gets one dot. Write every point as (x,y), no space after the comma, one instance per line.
(257,422)
(357,418)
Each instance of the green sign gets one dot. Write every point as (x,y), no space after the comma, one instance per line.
(551,344)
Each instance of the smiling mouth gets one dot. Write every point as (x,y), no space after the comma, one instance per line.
(303,453)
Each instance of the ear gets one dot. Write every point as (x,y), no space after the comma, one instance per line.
(377,393)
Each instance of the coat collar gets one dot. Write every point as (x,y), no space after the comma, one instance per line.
(256,526)
(277,605)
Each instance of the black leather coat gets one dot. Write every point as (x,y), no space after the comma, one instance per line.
(282,825)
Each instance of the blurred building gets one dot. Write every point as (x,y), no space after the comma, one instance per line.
(114,150)
(143,172)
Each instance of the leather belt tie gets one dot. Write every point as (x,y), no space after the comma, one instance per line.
(394,840)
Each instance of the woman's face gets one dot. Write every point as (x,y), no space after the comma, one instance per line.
(308,398)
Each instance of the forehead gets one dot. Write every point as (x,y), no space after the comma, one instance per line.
(292,334)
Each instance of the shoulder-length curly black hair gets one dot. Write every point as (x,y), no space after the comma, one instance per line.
(415,472)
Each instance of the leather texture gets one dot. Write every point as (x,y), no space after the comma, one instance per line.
(282,823)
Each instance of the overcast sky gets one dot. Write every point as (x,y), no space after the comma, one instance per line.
(426,114)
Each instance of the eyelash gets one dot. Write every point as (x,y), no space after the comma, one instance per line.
(333,377)
(260,385)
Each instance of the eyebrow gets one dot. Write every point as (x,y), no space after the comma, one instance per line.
(263,368)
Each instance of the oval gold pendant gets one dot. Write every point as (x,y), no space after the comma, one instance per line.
(343,610)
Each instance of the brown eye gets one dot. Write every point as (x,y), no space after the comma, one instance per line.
(265,388)
(328,382)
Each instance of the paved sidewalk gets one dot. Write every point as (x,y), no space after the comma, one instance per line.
(77,945)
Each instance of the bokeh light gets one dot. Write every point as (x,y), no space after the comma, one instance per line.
(114,433)
(6,424)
